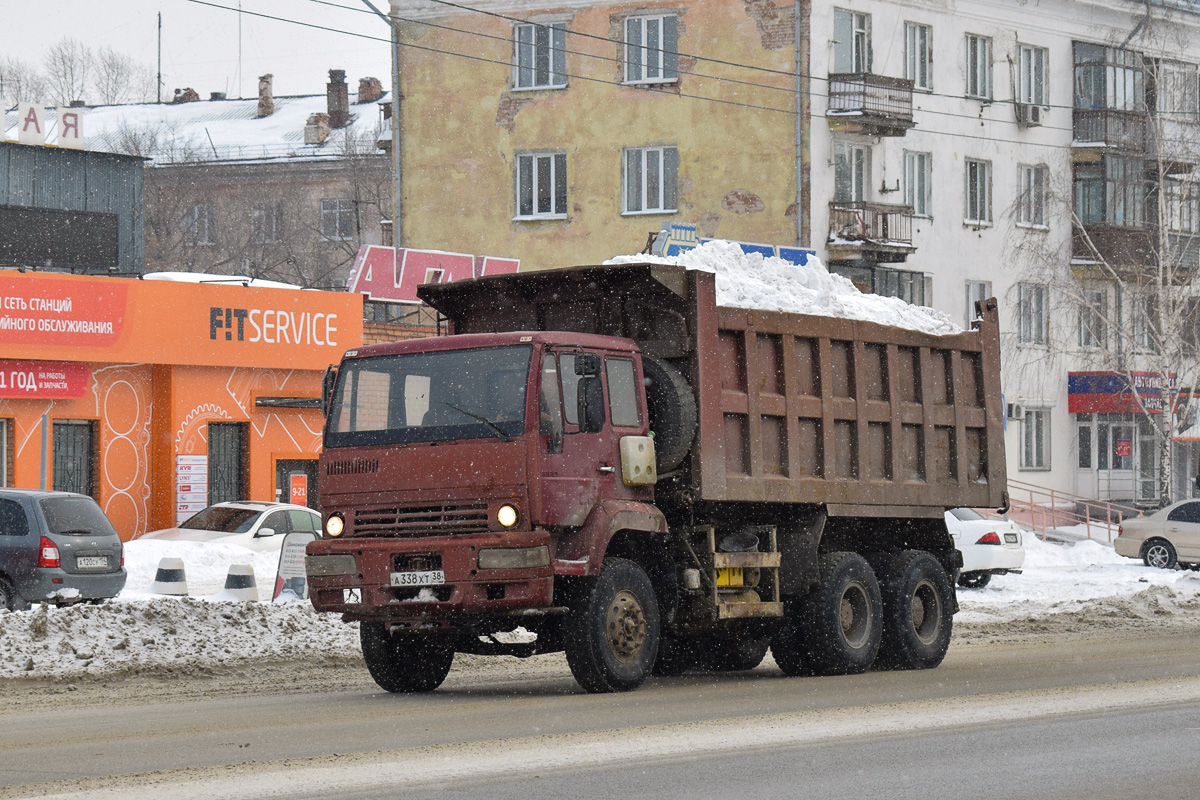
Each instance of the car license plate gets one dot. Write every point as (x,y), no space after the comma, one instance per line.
(729,576)
(433,577)
(91,562)
(1011,538)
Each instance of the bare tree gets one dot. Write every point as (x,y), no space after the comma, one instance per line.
(19,83)
(68,66)
(117,78)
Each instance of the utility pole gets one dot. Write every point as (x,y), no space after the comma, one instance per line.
(397,216)
(158,88)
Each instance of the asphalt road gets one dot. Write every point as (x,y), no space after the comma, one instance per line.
(1109,715)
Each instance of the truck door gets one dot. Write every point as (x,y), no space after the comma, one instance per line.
(578,468)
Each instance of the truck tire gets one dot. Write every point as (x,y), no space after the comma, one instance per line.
(732,655)
(612,630)
(675,656)
(788,645)
(673,416)
(9,599)
(405,663)
(836,628)
(974,580)
(917,617)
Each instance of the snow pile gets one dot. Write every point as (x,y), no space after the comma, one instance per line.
(206,565)
(750,280)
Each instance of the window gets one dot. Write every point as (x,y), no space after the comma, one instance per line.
(851,172)
(851,41)
(979,66)
(74,454)
(977,292)
(651,180)
(1112,192)
(1183,204)
(650,49)
(909,286)
(542,186)
(13,519)
(337,220)
(1093,319)
(917,184)
(541,53)
(266,223)
(228,461)
(1031,194)
(978,207)
(1143,314)
(1084,440)
(1032,313)
(1178,91)
(1031,75)
(198,224)
(622,393)
(1109,78)
(918,55)
(1035,439)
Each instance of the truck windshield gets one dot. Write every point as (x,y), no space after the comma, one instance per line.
(429,397)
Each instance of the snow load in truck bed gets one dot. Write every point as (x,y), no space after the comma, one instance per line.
(748,280)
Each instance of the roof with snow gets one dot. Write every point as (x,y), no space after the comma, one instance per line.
(221,130)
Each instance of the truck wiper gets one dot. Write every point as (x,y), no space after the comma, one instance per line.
(495,428)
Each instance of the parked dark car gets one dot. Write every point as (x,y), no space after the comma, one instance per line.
(56,547)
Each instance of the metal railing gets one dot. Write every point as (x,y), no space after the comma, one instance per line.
(1043,510)
(870,94)
(876,222)
(1124,130)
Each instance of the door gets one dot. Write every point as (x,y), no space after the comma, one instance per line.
(74,456)
(228,462)
(1183,530)
(296,482)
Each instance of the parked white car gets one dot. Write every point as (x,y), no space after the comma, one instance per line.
(989,546)
(259,526)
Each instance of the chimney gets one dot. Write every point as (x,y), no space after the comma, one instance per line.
(316,130)
(187,95)
(216,95)
(338,99)
(369,90)
(266,103)
(78,104)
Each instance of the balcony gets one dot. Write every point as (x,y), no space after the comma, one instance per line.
(876,105)
(1123,248)
(1123,131)
(870,233)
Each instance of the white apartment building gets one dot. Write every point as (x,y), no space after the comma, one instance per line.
(961,149)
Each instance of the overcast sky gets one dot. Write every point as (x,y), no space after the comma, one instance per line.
(200,41)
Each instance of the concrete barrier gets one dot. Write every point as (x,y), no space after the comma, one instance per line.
(239,583)
(170,578)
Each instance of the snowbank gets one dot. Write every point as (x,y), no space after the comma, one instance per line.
(750,280)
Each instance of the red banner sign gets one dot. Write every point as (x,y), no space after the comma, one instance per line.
(299,489)
(56,312)
(43,379)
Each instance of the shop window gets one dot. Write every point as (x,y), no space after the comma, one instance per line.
(74,456)
(228,461)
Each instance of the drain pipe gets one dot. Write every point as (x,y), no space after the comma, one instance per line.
(799,100)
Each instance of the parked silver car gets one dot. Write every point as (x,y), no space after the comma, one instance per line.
(56,547)
(1168,538)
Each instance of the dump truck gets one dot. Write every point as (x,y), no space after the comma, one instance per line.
(604,461)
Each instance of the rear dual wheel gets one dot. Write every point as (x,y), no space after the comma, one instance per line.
(917,604)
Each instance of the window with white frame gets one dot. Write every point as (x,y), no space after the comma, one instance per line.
(918,187)
(851,171)
(1093,319)
(541,184)
(977,292)
(337,220)
(1183,204)
(540,55)
(651,180)
(1033,317)
(979,66)
(1035,439)
(1178,91)
(198,224)
(266,223)
(918,55)
(1109,77)
(1031,75)
(651,45)
(1031,194)
(977,210)
(851,41)
(1143,314)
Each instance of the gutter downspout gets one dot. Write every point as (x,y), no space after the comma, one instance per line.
(397,216)
(799,102)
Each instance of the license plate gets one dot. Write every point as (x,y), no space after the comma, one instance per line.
(433,577)
(91,562)
(729,576)
(1011,538)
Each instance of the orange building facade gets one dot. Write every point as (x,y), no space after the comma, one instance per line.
(158,398)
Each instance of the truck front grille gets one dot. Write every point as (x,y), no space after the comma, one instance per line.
(430,520)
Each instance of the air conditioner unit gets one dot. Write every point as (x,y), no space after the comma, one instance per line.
(1015,411)
(1028,115)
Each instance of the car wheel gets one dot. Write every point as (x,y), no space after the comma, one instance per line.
(1159,553)
(10,598)
(613,629)
(917,616)
(974,580)
(404,662)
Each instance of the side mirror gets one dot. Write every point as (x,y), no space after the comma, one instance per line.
(587,364)
(591,404)
(327,383)
(265,532)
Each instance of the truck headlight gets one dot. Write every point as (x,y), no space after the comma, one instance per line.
(507,516)
(514,557)
(335,525)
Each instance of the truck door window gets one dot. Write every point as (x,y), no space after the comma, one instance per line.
(550,417)
(570,387)
(622,393)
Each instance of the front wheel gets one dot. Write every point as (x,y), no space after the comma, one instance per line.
(613,629)
(974,580)
(405,662)
(1160,553)
(917,618)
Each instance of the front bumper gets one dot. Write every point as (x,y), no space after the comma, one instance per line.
(363,591)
